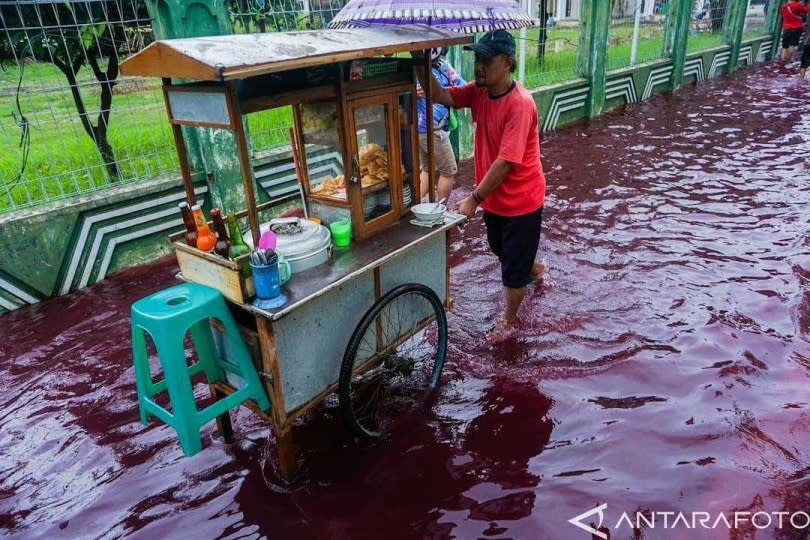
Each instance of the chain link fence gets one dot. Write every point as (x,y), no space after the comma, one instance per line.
(755,19)
(71,124)
(708,24)
(637,32)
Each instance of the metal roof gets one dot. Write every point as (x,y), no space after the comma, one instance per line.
(239,56)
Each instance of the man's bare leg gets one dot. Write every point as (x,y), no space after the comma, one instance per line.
(506,326)
(514,297)
(444,188)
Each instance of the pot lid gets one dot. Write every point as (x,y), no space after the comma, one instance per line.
(311,238)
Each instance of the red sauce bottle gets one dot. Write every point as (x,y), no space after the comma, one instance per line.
(205,238)
(188,222)
(223,244)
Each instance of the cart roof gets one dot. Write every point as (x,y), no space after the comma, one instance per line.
(239,56)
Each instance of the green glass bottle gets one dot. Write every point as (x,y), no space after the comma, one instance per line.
(238,245)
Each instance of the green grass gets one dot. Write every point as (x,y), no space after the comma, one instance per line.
(63,160)
(559,62)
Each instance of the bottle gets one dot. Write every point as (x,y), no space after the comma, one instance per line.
(205,238)
(188,221)
(223,244)
(238,245)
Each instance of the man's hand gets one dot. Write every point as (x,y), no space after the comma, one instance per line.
(420,92)
(467,207)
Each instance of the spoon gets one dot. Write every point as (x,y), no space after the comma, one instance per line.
(438,204)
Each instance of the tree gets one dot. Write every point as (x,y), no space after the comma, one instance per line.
(71,36)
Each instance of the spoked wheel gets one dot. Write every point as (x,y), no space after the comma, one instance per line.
(393,361)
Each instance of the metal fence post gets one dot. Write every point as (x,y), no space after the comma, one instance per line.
(774,25)
(636,29)
(681,10)
(734,31)
(592,57)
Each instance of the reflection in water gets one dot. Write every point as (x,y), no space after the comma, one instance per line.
(663,366)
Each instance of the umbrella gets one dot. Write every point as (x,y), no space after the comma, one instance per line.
(459,15)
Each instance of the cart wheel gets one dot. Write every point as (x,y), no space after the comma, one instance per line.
(394,359)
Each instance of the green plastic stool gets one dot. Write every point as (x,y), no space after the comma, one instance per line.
(167,315)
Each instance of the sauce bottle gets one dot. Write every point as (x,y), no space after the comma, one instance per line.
(205,238)
(223,244)
(188,222)
(238,245)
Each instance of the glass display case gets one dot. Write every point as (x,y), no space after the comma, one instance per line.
(321,151)
(358,152)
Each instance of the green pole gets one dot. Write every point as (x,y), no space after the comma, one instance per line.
(212,151)
(774,25)
(735,26)
(681,10)
(592,58)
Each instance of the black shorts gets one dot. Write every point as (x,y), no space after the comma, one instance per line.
(514,240)
(806,55)
(790,38)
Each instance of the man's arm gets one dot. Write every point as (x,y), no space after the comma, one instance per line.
(495,176)
(438,93)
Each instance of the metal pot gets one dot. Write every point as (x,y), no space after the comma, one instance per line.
(305,249)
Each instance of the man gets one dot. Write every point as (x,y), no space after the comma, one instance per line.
(445,159)
(510,185)
(792,23)
(805,59)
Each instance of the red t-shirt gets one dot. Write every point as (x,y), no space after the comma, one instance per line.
(506,128)
(792,15)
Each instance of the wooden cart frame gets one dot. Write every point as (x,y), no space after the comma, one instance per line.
(356,275)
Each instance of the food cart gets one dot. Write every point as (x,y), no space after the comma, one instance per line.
(369,323)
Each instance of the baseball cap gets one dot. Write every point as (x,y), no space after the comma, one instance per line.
(493,43)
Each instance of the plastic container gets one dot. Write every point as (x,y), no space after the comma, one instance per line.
(267,281)
(341,232)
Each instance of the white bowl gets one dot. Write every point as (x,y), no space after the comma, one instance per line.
(428,212)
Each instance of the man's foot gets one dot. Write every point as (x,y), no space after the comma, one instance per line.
(539,269)
(502,331)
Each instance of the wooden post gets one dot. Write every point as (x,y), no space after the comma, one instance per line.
(431,164)
(244,162)
(224,425)
(278,413)
(182,153)
(285,446)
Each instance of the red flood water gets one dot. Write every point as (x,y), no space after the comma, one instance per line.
(664,365)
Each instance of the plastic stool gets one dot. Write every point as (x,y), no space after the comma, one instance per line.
(167,315)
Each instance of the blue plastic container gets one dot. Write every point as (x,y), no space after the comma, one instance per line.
(267,281)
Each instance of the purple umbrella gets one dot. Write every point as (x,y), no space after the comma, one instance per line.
(459,15)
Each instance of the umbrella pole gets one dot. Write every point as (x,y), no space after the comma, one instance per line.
(427,84)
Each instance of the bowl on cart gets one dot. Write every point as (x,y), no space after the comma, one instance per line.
(428,212)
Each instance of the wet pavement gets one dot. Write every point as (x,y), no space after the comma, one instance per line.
(663,366)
